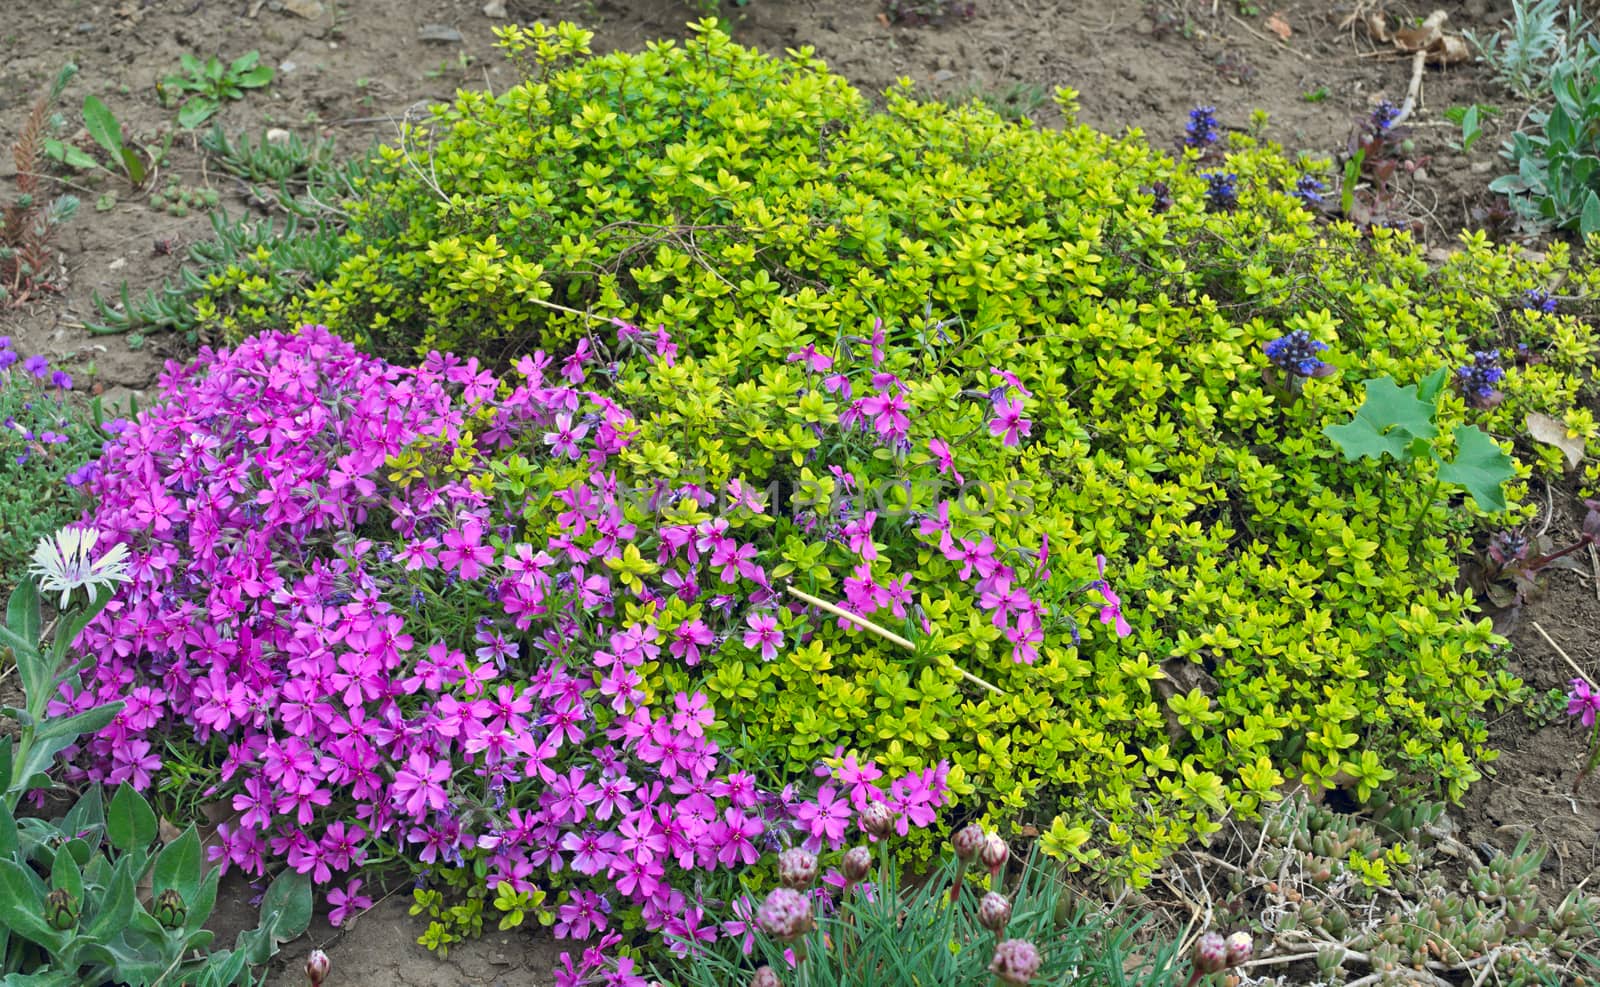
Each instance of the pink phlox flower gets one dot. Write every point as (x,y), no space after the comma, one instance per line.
(563,441)
(1011,379)
(740,495)
(688,639)
(1008,424)
(858,535)
(347,901)
(1583,702)
(465,552)
(763,634)
(815,361)
(944,457)
(1111,613)
(825,819)
(572,366)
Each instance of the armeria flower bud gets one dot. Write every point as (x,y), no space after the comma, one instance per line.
(1016,962)
(170,910)
(765,977)
(967,841)
(1211,953)
(994,854)
(317,965)
(877,819)
(797,868)
(61,909)
(994,912)
(856,864)
(785,915)
(1240,946)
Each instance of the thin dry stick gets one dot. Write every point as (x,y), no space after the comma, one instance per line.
(1414,90)
(1594,562)
(1547,640)
(884,633)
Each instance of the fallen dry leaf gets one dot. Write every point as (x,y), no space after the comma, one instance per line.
(1378,27)
(1277,25)
(1551,432)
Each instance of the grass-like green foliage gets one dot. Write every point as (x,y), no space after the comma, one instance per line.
(1289,622)
(894,932)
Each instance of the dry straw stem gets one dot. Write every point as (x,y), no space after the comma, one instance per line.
(1548,640)
(882,632)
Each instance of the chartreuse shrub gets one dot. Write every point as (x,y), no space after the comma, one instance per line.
(1072,362)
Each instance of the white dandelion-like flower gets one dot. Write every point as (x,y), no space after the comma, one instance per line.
(63,562)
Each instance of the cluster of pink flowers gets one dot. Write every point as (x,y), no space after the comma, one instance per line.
(1004,592)
(369,654)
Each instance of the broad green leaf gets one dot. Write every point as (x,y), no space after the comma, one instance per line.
(256,77)
(43,978)
(178,867)
(1589,221)
(205,899)
(22,906)
(70,728)
(1480,466)
(133,164)
(1387,423)
(64,874)
(87,814)
(102,125)
(1429,388)
(130,822)
(70,155)
(118,902)
(285,913)
(22,612)
(196,111)
(8,827)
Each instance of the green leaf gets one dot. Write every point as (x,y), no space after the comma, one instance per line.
(87,814)
(204,900)
(178,867)
(64,874)
(8,827)
(1430,387)
(117,905)
(1389,420)
(130,822)
(22,612)
(133,164)
(1589,220)
(22,906)
(1481,467)
(102,125)
(42,978)
(285,914)
(196,111)
(256,77)
(70,728)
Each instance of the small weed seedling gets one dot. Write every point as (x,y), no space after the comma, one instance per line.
(130,161)
(211,83)
(1470,120)
(1399,422)
(29,220)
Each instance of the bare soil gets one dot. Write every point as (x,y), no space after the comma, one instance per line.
(351,69)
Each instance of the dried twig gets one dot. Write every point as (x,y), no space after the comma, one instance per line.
(1548,640)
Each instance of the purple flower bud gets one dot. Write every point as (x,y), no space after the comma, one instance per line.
(797,868)
(994,912)
(1240,946)
(1016,962)
(1211,953)
(317,967)
(877,819)
(856,864)
(994,854)
(765,977)
(967,841)
(785,915)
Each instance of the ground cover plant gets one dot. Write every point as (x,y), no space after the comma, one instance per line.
(1050,405)
(336,626)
